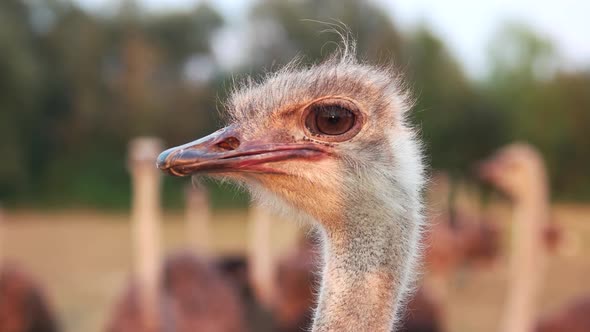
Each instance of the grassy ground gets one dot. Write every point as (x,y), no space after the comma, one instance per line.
(83,259)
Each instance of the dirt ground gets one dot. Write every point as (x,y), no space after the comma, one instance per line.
(84,260)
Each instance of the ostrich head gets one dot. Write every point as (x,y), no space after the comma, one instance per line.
(517,170)
(314,138)
(330,142)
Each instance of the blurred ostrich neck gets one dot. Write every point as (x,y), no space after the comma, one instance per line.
(367,257)
(197,216)
(262,266)
(145,216)
(530,214)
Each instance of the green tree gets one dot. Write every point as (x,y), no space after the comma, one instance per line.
(19,98)
(542,105)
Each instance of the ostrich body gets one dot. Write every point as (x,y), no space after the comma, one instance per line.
(331,144)
(574,317)
(193,296)
(23,305)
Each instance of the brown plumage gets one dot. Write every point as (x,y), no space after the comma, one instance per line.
(460,242)
(194,296)
(552,236)
(23,306)
(423,314)
(480,242)
(574,317)
(455,237)
(297,279)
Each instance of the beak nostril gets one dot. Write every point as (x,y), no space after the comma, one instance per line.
(229,144)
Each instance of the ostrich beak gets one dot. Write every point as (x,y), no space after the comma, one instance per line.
(224,151)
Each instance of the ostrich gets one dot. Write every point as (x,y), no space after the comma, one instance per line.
(519,172)
(185,293)
(232,268)
(198,237)
(23,306)
(451,241)
(467,235)
(454,239)
(330,143)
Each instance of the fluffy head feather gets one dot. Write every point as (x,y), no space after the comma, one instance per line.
(385,143)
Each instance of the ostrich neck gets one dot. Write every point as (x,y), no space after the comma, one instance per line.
(526,262)
(368,259)
(146,216)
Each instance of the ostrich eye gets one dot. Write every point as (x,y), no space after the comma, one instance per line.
(331,120)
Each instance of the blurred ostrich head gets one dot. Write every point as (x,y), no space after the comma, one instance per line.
(517,170)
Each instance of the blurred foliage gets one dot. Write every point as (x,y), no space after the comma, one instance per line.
(76,86)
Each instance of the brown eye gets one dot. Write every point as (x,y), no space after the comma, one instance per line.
(330,120)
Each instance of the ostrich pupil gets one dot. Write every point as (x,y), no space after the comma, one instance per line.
(333,120)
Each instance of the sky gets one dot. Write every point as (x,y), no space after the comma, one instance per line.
(465,25)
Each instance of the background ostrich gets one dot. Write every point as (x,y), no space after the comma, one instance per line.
(424,313)
(23,307)
(283,285)
(452,241)
(519,172)
(187,293)
(297,279)
(573,317)
(331,143)
(456,237)
(234,269)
